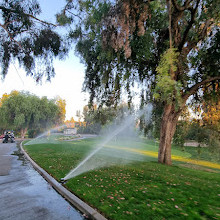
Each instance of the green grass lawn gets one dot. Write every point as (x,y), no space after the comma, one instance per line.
(133,186)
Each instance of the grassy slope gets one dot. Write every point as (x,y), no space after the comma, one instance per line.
(136,190)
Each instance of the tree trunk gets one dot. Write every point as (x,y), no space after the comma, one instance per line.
(23,132)
(167,130)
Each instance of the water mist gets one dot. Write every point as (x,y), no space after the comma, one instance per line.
(125,125)
(44,137)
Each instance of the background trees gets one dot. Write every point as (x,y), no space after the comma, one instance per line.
(33,44)
(22,111)
(96,118)
(61,103)
(163,46)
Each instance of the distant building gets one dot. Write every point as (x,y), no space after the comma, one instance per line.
(70,131)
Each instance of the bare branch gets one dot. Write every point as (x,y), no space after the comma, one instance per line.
(41,21)
(29,15)
(73,14)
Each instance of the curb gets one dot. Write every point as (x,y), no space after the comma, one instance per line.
(70,197)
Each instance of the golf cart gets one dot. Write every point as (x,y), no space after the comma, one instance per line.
(8,137)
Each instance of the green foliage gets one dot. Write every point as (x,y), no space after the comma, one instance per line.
(26,111)
(108,74)
(204,135)
(214,143)
(27,39)
(167,88)
(168,62)
(197,132)
(182,130)
(161,73)
(63,20)
(205,63)
(97,118)
(19,120)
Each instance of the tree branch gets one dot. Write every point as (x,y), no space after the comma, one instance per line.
(25,14)
(181,8)
(41,21)
(187,3)
(11,38)
(176,6)
(190,23)
(201,36)
(204,30)
(195,88)
(73,14)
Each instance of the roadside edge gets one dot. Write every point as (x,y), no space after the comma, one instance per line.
(70,197)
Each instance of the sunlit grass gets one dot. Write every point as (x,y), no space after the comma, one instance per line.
(174,157)
(134,186)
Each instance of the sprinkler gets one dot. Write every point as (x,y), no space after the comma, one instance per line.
(63,181)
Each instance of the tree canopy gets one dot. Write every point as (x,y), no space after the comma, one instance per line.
(27,39)
(22,111)
(97,118)
(122,42)
(170,49)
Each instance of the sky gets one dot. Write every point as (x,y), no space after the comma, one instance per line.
(69,73)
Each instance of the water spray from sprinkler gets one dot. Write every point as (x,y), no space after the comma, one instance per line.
(124,124)
(44,137)
(129,121)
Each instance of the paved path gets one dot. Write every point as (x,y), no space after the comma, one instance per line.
(24,194)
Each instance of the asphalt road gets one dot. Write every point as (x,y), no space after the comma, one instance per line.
(24,194)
